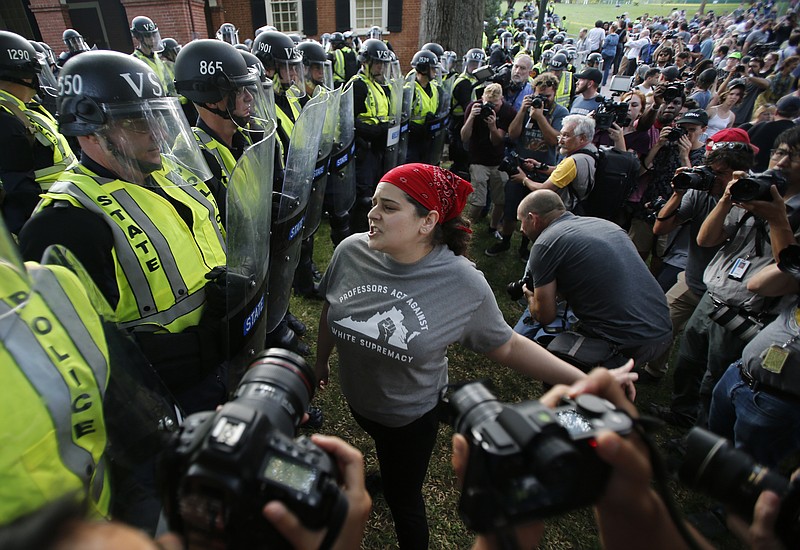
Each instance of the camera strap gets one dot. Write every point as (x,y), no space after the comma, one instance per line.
(338,517)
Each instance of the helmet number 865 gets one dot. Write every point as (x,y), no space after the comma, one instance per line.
(210,67)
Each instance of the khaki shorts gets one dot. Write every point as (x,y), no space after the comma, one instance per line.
(483,178)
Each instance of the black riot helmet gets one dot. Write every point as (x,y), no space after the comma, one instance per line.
(337,39)
(506,40)
(318,68)
(18,60)
(551,34)
(280,56)
(473,59)
(547,55)
(558,39)
(593,60)
(558,62)
(227,32)
(171,48)
(74,41)
(374,50)
(423,61)
(435,48)
(120,99)
(145,31)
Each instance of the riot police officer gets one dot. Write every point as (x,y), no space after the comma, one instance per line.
(227,32)
(148,44)
(424,105)
(345,64)
(317,67)
(502,55)
(566,82)
(463,94)
(75,44)
(141,219)
(371,110)
(34,153)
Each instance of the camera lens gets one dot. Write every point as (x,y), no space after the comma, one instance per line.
(473,404)
(280,384)
(714,466)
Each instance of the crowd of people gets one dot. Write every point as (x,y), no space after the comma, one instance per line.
(159,208)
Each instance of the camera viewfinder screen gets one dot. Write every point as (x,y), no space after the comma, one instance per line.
(574,422)
(291,474)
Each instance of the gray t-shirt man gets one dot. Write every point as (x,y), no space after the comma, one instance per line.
(603,279)
(695,207)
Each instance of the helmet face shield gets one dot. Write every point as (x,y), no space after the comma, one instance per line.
(140,138)
(530,43)
(151,40)
(228,33)
(248,106)
(291,75)
(318,73)
(375,32)
(381,71)
(507,42)
(76,44)
(48,84)
(448,61)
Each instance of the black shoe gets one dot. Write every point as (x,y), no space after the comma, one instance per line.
(315,418)
(312,294)
(284,337)
(497,248)
(298,326)
(671,417)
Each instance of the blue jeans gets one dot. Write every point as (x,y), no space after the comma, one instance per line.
(608,64)
(765,426)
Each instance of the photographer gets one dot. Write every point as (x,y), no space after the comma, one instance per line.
(574,175)
(687,208)
(576,257)
(483,135)
(519,87)
(707,346)
(535,130)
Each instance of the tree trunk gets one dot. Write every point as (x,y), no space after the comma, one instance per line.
(455,24)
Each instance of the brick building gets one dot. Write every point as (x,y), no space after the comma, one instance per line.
(106,22)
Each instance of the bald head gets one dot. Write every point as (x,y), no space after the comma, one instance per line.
(544,203)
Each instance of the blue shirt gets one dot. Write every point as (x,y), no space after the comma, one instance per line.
(515,98)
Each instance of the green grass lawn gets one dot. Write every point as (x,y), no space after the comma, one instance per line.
(575,530)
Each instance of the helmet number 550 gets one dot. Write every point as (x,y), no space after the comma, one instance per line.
(70,84)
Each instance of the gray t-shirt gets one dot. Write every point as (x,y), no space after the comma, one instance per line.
(392,324)
(581,106)
(782,330)
(603,279)
(748,240)
(695,207)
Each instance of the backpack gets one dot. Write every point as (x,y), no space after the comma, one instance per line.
(614,181)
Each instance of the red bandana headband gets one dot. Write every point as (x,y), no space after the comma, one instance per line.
(433,187)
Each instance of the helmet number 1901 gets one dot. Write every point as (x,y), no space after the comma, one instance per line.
(210,67)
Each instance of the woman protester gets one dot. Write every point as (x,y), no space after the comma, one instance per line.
(722,116)
(396,298)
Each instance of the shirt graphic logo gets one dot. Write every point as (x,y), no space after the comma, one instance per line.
(386,327)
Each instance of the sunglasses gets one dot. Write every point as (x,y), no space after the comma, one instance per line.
(731,145)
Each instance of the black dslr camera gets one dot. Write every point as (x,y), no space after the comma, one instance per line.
(609,112)
(487,109)
(510,163)
(224,466)
(676,133)
(527,461)
(699,177)
(539,102)
(756,187)
(514,288)
(673,90)
(713,466)
(652,209)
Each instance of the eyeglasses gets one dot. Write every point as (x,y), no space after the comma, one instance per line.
(779,154)
(731,145)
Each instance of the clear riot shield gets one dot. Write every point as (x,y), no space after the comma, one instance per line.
(248,222)
(320,181)
(340,193)
(408,96)
(391,155)
(437,127)
(289,206)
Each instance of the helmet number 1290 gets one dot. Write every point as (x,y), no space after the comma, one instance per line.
(18,55)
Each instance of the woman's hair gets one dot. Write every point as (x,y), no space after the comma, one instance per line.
(455,233)
(702,66)
(724,94)
(769,107)
(627,96)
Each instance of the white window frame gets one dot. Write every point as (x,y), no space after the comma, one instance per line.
(384,17)
(298,9)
